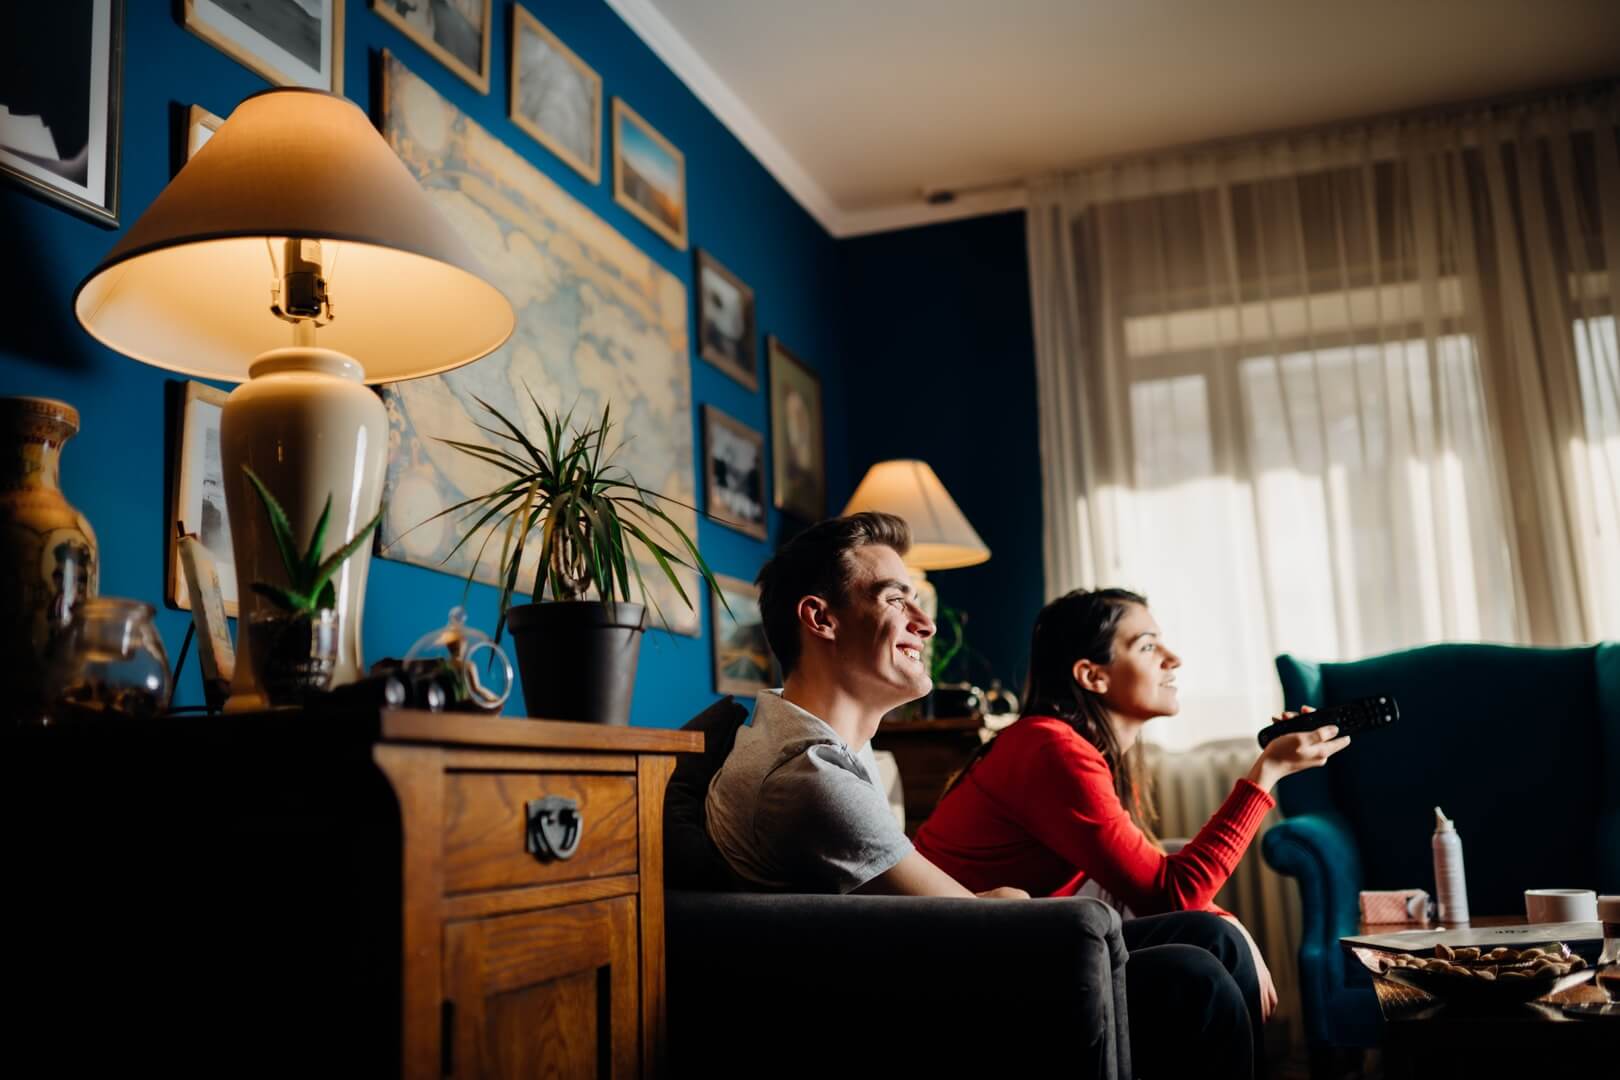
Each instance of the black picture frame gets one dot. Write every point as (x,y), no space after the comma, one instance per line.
(71,58)
(722,298)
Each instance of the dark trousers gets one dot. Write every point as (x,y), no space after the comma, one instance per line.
(1193,997)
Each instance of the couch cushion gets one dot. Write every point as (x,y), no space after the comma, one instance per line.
(691,860)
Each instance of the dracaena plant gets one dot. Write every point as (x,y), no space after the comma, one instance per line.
(309,586)
(586,512)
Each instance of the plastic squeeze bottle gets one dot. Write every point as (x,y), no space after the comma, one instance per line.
(1450,885)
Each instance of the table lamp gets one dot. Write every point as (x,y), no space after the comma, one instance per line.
(941,538)
(296,219)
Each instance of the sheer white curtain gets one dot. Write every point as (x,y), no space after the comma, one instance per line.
(1338,393)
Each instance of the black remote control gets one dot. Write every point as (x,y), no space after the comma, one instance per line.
(1353,717)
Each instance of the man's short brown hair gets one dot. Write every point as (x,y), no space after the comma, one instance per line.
(817,563)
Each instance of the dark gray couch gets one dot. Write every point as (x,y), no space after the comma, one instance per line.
(774,984)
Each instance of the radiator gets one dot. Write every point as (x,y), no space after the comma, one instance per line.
(1189,786)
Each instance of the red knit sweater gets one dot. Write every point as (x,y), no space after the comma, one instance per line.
(1039,812)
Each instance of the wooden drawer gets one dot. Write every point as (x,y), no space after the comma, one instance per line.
(486,833)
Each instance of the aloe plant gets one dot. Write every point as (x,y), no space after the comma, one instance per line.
(588,514)
(309,586)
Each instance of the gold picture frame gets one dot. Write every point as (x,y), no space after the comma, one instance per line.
(199,496)
(743,663)
(277,47)
(649,175)
(529,115)
(449,43)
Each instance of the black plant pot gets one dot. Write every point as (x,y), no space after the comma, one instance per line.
(577,658)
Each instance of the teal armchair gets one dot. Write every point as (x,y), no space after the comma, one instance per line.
(1520,746)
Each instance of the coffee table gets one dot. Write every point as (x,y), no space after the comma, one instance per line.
(1424,1037)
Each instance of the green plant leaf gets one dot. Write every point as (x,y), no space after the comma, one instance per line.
(517,432)
(311,561)
(280,527)
(282,598)
(324,573)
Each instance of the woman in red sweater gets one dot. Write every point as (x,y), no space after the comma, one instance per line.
(1059,798)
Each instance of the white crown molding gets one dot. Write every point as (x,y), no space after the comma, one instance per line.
(666,42)
(677,53)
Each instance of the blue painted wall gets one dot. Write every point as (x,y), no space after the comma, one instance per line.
(941,363)
(114,470)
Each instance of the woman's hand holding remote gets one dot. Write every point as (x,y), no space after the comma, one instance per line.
(1289,754)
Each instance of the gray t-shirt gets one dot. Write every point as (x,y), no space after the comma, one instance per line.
(794,809)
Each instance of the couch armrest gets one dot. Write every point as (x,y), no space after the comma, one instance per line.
(917,982)
(1319,851)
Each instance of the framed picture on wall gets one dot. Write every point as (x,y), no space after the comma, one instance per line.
(798,446)
(289,42)
(726,331)
(733,473)
(60,102)
(195,128)
(556,97)
(649,175)
(199,495)
(742,657)
(200,127)
(455,32)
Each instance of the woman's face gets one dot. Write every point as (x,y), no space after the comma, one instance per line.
(1139,683)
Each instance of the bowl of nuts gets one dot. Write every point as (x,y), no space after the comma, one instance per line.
(1482,978)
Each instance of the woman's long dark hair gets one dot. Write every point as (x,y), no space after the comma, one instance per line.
(1080,626)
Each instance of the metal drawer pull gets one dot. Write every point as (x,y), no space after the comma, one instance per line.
(555,827)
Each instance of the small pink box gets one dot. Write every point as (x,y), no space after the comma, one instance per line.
(1395,906)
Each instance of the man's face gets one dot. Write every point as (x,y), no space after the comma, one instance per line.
(881,631)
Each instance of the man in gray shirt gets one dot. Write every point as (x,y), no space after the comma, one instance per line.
(796,806)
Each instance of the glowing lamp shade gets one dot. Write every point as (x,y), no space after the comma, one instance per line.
(941,538)
(296,221)
(187,288)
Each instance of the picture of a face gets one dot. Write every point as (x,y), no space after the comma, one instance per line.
(798,449)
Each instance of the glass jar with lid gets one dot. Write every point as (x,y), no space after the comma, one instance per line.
(109,661)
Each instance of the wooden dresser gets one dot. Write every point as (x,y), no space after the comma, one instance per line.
(400,893)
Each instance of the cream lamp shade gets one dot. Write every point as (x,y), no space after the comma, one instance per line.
(187,288)
(296,221)
(941,538)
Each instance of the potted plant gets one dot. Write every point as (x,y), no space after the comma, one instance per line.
(579,641)
(294,646)
(950,642)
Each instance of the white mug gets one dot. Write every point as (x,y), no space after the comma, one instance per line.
(1560,905)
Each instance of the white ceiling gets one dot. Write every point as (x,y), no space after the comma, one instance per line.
(860,106)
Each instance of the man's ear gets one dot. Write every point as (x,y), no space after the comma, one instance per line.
(1090,677)
(816,616)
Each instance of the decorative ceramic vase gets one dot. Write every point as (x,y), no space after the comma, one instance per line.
(109,662)
(311,429)
(48,563)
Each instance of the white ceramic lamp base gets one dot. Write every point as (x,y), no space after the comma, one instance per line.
(308,426)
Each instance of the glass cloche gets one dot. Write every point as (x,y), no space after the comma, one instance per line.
(475,671)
